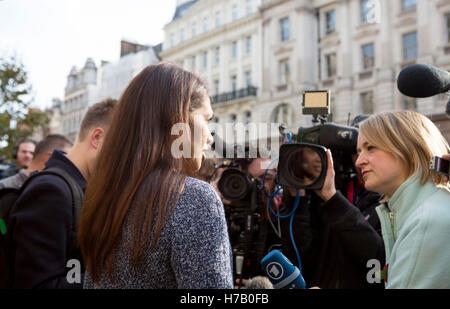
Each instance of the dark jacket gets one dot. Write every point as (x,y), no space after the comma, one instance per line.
(41,221)
(9,171)
(335,241)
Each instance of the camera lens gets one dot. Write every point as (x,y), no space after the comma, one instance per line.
(304,165)
(234,185)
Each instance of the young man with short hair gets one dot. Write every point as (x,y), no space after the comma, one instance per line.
(44,218)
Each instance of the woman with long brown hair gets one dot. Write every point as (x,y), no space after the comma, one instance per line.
(145,223)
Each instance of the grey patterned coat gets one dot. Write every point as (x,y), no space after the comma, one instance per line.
(193,250)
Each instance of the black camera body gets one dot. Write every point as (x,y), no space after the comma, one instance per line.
(240,190)
(341,140)
(247,237)
(440,166)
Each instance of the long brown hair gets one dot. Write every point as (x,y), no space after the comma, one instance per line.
(135,166)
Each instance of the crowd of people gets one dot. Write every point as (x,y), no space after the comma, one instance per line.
(137,216)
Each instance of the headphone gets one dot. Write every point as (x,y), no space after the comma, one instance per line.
(15,150)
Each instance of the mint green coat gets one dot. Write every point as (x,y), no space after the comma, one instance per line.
(416,232)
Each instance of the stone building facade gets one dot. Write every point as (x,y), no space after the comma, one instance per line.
(353,48)
(91,84)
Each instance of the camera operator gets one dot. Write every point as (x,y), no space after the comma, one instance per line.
(257,168)
(252,232)
(335,238)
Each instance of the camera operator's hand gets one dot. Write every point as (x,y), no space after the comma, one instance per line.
(329,189)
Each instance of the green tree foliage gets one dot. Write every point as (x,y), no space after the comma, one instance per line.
(17,120)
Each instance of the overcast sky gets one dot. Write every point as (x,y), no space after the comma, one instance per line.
(51,36)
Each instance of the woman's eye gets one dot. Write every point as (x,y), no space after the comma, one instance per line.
(371,148)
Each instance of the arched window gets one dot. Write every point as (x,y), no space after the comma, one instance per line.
(284,114)
(248,117)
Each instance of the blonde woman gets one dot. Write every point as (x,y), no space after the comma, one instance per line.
(394,150)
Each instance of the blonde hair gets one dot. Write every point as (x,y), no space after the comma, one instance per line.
(412,138)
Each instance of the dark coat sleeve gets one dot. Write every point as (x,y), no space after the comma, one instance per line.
(335,242)
(42,222)
(356,235)
(307,236)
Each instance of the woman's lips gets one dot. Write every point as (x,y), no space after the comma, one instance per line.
(365,173)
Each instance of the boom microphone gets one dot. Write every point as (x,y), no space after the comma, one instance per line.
(281,272)
(423,81)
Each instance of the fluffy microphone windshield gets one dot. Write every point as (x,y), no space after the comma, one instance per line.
(259,283)
(423,81)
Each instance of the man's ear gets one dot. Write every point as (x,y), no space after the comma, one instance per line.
(96,137)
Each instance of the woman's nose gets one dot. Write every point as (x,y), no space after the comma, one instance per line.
(360,160)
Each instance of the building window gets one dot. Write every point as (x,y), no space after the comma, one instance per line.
(409,103)
(172,40)
(330,61)
(194,30)
(217,55)
(233,118)
(216,87)
(205,60)
(217,19)
(284,114)
(248,45)
(410,46)
(284,28)
(368,56)
(248,7)
(234,12)
(234,50)
(248,117)
(367,102)
(205,24)
(182,35)
(408,5)
(233,83)
(193,63)
(284,72)
(330,20)
(367,11)
(248,79)
(333,109)
(447,25)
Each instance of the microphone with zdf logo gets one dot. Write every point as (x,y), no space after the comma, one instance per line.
(281,272)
